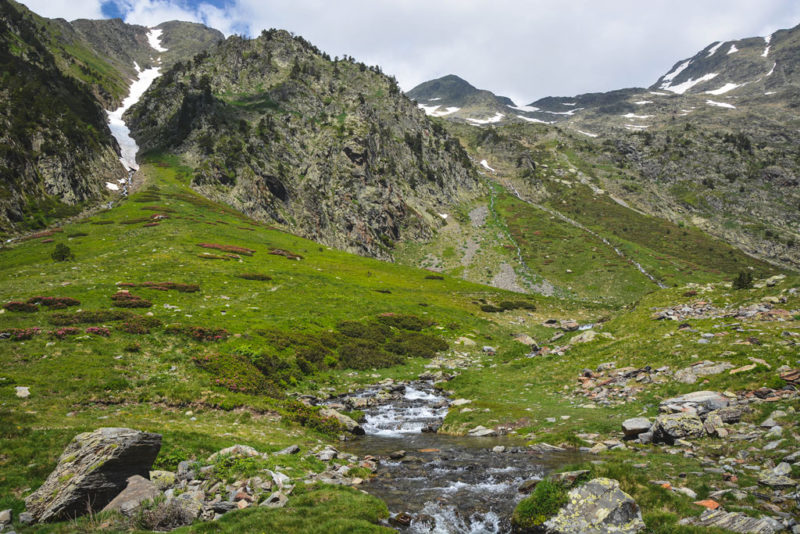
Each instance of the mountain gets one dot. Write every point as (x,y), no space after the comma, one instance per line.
(60,77)
(713,144)
(327,149)
(456,99)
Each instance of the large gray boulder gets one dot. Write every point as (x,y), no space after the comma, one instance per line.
(92,470)
(343,420)
(139,490)
(597,507)
(698,402)
(635,426)
(670,427)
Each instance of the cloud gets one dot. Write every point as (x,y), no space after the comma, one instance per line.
(524,49)
(66,9)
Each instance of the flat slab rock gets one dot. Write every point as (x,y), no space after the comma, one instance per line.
(699,402)
(735,522)
(139,490)
(92,470)
(597,507)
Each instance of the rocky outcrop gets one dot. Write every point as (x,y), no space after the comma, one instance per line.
(347,422)
(92,470)
(698,402)
(328,149)
(635,426)
(735,522)
(138,490)
(597,507)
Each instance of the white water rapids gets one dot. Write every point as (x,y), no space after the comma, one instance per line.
(127,145)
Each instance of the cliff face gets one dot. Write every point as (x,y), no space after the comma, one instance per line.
(326,148)
(57,151)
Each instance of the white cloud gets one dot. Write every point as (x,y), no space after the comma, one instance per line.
(66,9)
(524,49)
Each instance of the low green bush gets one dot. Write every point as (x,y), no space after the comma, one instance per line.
(541,505)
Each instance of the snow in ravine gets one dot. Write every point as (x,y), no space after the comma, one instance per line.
(154,39)
(688,84)
(635,116)
(643,102)
(766,52)
(529,109)
(725,88)
(772,69)
(714,49)
(529,119)
(671,75)
(434,111)
(733,49)
(497,118)
(485,165)
(586,133)
(720,104)
(116,124)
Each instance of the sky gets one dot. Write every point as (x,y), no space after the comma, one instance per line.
(523,49)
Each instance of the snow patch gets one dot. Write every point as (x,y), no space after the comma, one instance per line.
(766,52)
(485,165)
(434,99)
(636,127)
(127,145)
(643,102)
(733,49)
(586,133)
(720,104)
(568,103)
(569,113)
(685,86)
(772,69)
(677,70)
(112,186)
(658,94)
(443,215)
(529,109)
(768,38)
(529,119)
(724,89)
(714,49)
(769,93)
(434,111)
(635,116)
(497,118)
(154,39)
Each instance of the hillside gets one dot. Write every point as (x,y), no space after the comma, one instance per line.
(328,149)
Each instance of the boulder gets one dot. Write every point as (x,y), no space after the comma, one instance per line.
(188,505)
(343,420)
(5,518)
(597,507)
(481,431)
(734,522)
(276,500)
(635,426)
(291,449)
(138,490)
(583,337)
(670,427)
(699,402)
(236,451)
(714,426)
(92,470)
(569,325)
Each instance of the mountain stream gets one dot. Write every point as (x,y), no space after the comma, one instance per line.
(446,484)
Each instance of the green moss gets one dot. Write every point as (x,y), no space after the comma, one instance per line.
(541,505)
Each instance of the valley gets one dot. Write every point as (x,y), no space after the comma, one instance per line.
(292,299)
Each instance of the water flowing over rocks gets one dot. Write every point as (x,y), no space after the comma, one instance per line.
(440,483)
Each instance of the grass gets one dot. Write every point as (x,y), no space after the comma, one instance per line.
(288,321)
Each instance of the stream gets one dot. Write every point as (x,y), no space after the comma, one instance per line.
(446,484)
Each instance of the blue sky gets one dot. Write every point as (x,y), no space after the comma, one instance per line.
(524,49)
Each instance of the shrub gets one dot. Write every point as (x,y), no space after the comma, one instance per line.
(88,316)
(743,281)
(374,332)
(542,504)
(285,253)
(517,305)
(55,303)
(365,354)
(234,372)
(434,277)
(98,331)
(416,345)
(124,299)
(297,412)
(161,515)
(228,248)
(62,253)
(65,331)
(77,234)
(254,276)
(164,286)
(138,324)
(199,333)
(404,322)
(22,334)
(16,306)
